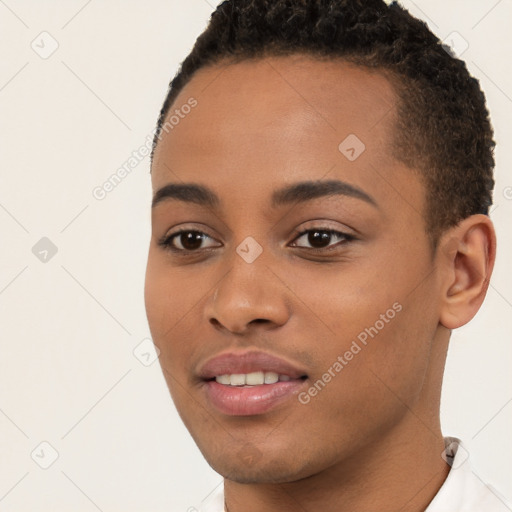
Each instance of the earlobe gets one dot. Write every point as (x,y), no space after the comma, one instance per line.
(468,252)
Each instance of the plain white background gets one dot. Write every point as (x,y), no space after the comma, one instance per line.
(68,372)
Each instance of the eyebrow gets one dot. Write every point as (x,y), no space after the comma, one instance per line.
(297,192)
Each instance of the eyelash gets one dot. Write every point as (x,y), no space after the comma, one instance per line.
(167,241)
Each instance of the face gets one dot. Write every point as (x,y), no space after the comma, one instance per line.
(293,296)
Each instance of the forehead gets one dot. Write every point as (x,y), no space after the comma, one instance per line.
(279,119)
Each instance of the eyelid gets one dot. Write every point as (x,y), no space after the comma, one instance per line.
(321,224)
(186,228)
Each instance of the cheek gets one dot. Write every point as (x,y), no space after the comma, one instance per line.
(374,386)
(340,303)
(399,357)
(167,301)
(390,371)
(380,323)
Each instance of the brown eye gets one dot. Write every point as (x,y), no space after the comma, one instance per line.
(190,240)
(319,239)
(322,238)
(186,241)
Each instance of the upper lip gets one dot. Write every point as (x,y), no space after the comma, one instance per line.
(248,362)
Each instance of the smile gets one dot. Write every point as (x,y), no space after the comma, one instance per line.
(250,383)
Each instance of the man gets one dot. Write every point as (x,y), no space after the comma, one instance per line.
(322,175)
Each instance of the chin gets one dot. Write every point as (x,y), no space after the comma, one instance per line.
(259,475)
(270,471)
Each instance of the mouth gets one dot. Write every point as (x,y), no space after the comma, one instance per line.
(251,383)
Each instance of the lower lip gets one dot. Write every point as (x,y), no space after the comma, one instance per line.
(250,400)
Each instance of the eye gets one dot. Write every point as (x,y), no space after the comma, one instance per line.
(320,239)
(189,241)
(186,241)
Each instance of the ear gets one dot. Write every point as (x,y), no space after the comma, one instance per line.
(467,253)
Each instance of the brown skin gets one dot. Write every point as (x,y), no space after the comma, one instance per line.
(371,439)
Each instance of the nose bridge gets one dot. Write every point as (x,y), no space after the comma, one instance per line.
(248,291)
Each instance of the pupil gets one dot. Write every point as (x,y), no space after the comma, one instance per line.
(319,238)
(191,240)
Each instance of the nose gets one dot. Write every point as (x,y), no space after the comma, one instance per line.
(249,295)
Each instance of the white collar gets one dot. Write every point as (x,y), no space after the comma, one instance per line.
(463,490)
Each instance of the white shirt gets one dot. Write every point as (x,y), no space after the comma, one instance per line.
(462,491)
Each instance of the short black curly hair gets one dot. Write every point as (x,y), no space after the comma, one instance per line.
(443,128)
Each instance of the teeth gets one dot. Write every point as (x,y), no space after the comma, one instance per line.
(271,377)
(223,379)
(251,379)
(255,379)
(237,379)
